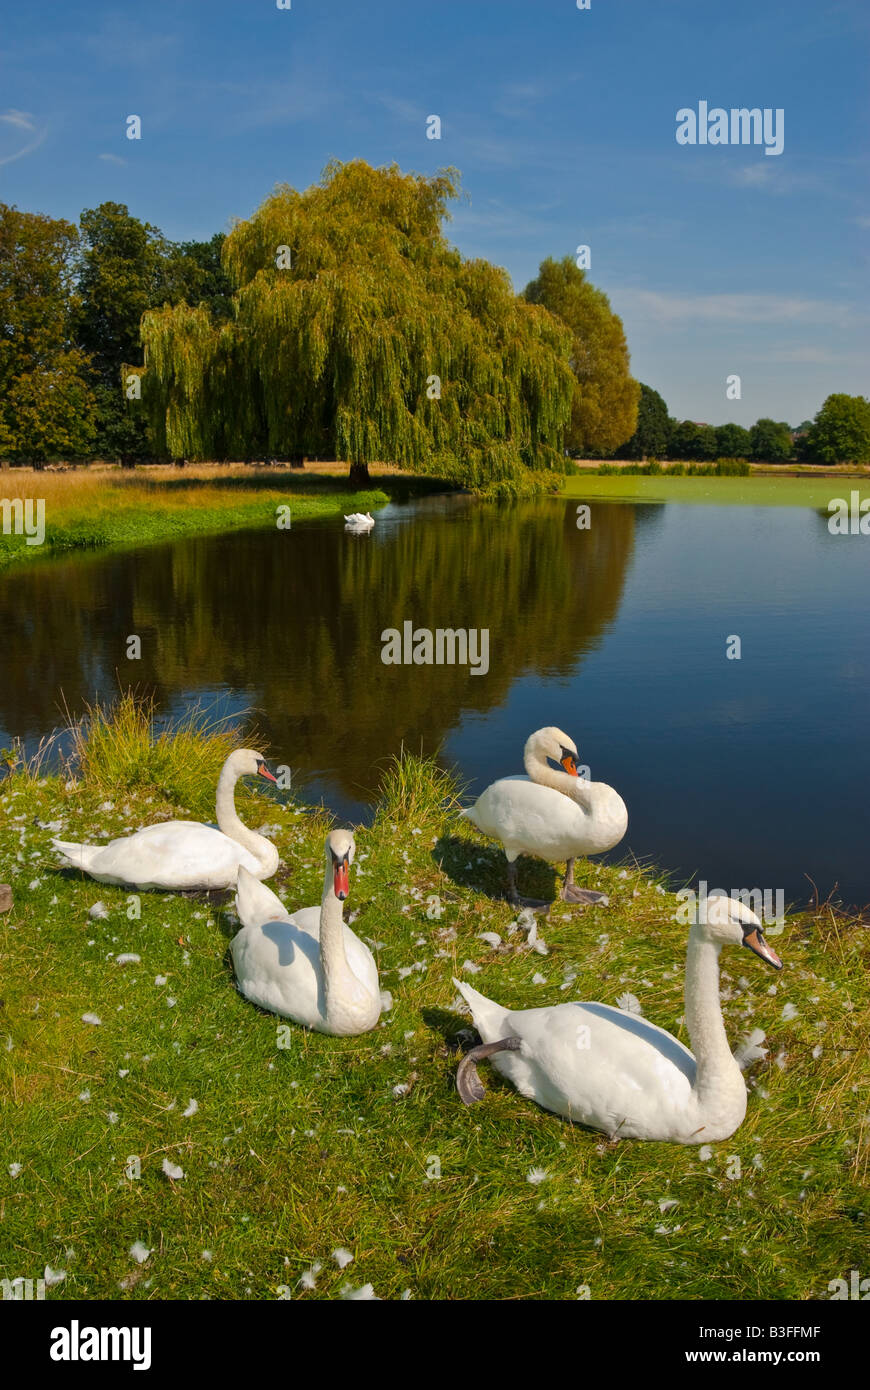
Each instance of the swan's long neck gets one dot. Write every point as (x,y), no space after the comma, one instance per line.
(228,821)
(339,981)
(539,770)
(718,1075)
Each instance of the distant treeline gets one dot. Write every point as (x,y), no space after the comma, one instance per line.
(840,433)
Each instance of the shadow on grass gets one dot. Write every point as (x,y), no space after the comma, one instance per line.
(484,870)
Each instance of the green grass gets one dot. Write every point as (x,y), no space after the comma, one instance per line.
(759,490)
(111,510)
(294,1152)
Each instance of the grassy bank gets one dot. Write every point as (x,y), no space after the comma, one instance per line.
(758,490)
(91,510)
(361,1143)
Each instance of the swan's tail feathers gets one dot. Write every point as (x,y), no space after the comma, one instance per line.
(255,903)
(471,996)
(490,1019)
(76,856)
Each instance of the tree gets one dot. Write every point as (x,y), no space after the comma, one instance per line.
(44,400)
(358,333)
(733,442)
(604,413)
(770,442)
(53,410)
(840,432)
(691,440)
(124,270)
(194,272)
(652,435)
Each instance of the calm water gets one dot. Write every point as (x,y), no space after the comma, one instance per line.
(751,773)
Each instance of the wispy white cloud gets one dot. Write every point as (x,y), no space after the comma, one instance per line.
(403,110)
(124,42)
(22,120)
(112,158)
(666,308)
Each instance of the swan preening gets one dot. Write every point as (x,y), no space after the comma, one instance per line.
(183,854)
(556,815)
(614,1071)
(307,965)
(360,521)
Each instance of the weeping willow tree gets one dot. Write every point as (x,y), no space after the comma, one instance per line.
(359,333)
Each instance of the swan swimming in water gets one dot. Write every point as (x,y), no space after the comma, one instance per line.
(307,965)
(554,815)
(360,521)
(185,854)
(614,1071)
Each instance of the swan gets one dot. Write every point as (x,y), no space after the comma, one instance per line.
(360,519)
(185,854)
(307,965)
(555,815)
(614,1071)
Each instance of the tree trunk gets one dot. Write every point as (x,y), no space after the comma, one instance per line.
(359,475)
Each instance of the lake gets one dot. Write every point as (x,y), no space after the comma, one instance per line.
(747,773)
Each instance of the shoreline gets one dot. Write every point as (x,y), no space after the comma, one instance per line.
(103,510)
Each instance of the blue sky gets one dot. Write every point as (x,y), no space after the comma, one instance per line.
(719,259)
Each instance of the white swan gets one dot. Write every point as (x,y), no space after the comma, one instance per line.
(185,854)
(616,1072)
(360,520)
(555,815)
(307,965)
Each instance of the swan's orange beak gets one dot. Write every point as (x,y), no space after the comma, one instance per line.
(264,771)
(569,762)
(340,879)
(755,941)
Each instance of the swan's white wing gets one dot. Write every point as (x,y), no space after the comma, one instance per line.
(598,1066)
(277,966)
(530,819)
(173,854)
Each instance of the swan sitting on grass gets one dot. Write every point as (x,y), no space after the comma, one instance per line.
(307,965)
(185,854)
(614,1071)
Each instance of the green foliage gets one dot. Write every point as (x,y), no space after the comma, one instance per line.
(840,432)
(127,267)
(733,441)
(119,750)
(652,435)
(605,408)
(722,468)
(733,468)
(415,788)
(52,408)
(770,442)
(45,404)
(690,440)
(332,356)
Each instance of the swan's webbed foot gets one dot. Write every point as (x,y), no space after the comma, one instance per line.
(516,900)
(582,897)
(468,1083)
